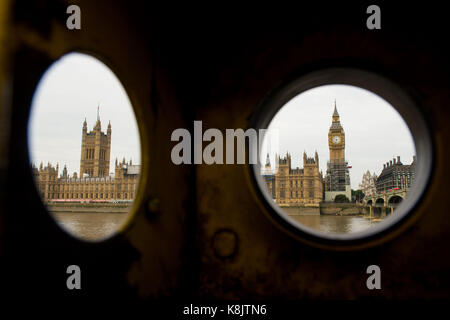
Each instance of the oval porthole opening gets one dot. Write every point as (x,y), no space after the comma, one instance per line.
(332,136)
(84,147)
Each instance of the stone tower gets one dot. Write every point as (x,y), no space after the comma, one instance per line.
(95,150)
(336,138)
(337,179)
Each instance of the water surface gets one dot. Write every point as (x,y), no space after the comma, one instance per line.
(91,225)
(335,224)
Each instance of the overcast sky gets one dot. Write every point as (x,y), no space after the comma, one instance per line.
(374,131)
(69,92)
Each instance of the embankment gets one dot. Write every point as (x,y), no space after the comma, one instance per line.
(335,209)
(344,209)
(90,207)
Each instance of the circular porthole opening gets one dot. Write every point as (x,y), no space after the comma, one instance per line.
(84,147)
(346,155)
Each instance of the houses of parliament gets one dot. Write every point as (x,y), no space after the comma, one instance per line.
(306,186)
(94,182)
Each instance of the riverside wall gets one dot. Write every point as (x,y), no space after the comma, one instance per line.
(89,207)
(344,209)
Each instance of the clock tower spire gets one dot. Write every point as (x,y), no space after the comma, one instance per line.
(336,138)
(337,179)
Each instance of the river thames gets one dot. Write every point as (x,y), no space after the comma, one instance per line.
(335,224)
(96,226)
(93,226)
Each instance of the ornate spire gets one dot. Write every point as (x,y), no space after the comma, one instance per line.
(84,126)
(335,113)
(335,118)
(267,160)
(98,124)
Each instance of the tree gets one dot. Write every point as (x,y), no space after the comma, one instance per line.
(358,195)
(341,198)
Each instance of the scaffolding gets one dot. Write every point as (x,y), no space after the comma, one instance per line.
(337,176)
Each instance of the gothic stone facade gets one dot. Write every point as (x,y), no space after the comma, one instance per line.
(367,184)
(94,182)
(337,179)
(306,186)
(95,151)
(295,187)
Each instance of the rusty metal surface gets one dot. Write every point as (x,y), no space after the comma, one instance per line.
(202,231)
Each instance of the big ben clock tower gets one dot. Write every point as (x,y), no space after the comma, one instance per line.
(337,179)
(336,139)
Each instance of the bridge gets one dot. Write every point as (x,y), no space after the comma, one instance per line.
(384,203)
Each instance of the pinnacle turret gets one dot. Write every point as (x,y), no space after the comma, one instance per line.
(335,113)
(267,160)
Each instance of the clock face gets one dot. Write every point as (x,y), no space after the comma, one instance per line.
(336,139)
